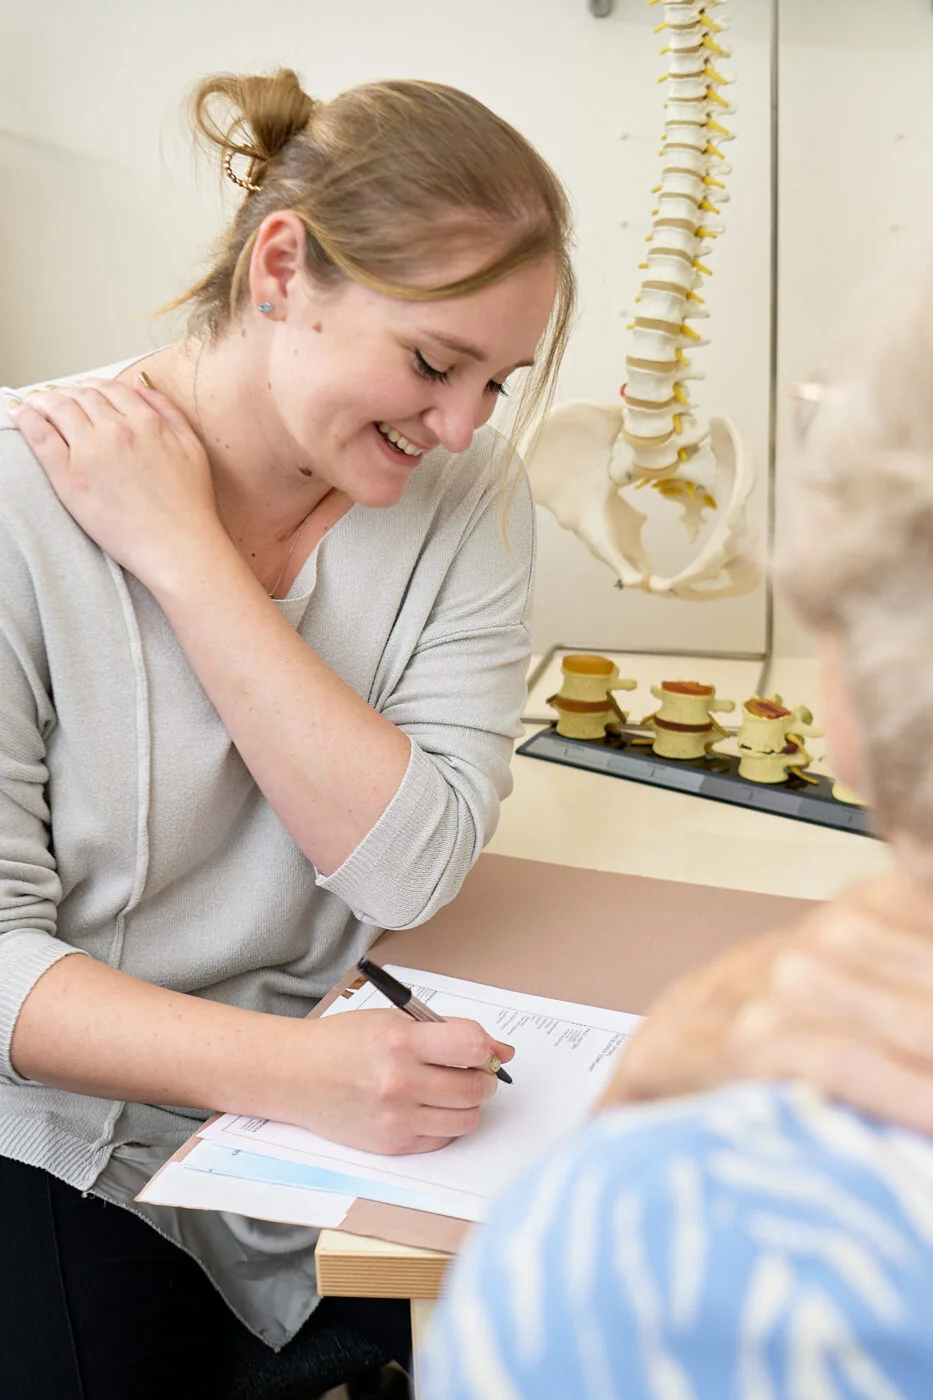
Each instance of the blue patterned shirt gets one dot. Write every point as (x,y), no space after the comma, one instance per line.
(756,1243)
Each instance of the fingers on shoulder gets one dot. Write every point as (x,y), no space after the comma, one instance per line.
(76,410)
(110,401)
(839,1060)
(42,435)
(164,409)
(870,942)
(771,1038)
(139,405)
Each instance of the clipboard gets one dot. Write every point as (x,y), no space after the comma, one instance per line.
(558,931)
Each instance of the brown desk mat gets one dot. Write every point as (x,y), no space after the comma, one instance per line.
(589,936)
(582,935)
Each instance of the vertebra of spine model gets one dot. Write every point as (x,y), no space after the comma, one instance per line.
(658,420)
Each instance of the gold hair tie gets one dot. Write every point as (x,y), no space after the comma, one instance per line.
(244,183)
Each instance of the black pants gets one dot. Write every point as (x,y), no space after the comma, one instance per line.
(96,1305)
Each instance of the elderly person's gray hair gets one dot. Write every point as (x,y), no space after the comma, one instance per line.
(855,555)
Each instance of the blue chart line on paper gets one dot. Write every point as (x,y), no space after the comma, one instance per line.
(251,1166)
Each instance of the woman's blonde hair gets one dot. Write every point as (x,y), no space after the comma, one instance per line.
(856,554)
(390,180)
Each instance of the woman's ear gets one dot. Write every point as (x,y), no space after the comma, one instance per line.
(278,257)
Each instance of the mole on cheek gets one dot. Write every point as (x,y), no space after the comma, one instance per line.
(318,327)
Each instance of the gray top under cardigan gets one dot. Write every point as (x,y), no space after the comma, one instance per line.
(131,830)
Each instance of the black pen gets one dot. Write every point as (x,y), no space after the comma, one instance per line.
(404,998)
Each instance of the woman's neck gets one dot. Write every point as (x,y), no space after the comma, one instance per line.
(262,494)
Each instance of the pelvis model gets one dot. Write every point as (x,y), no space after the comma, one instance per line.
(587,457)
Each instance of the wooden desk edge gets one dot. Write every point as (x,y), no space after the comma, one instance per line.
(357,1266)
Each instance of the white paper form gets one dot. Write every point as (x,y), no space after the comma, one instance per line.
(563,1059)
(176,1186)
(254,1167)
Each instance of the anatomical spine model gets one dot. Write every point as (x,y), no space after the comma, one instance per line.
(587,454)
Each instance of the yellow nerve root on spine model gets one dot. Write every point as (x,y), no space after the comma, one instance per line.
(590,458)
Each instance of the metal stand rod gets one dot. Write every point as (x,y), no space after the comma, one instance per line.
(773,347)
(663,652)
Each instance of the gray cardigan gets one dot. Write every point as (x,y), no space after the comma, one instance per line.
(131,830)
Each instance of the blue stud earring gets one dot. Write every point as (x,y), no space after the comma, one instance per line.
(265,307)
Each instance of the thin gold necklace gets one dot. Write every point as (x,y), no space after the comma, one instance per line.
(291,549)
(288,558)
(271,592)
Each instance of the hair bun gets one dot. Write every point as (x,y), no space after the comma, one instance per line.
(254,116)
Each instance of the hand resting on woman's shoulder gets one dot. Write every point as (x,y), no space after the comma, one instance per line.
(842,1000)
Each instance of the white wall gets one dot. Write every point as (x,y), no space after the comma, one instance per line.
(104,218)
(856,175)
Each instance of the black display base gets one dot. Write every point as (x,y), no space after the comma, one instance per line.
(715,776)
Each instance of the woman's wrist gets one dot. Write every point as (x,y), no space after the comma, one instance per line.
(264,1058)
(178,571)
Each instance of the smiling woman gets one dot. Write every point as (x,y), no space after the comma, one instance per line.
(411,190)
(271,712)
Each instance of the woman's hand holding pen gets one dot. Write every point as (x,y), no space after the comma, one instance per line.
(385,1083)
(376,1080)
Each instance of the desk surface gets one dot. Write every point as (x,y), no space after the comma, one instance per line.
(572,817)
